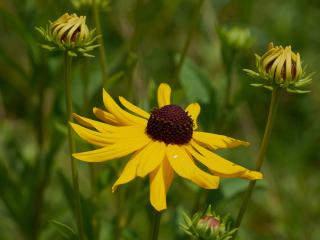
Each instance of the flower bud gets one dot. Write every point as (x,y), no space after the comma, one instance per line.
(69,33)
(280,67)
(235,37)
(209,222)
(207,225)
(85,4)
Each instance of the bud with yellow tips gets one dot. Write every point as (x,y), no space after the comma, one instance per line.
(69,33)
(280,66)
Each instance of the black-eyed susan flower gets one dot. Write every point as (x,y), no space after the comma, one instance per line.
(163,142)
(281,67)
(71,34)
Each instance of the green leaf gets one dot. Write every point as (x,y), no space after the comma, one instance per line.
(194,83)
(64,230)
(87,207)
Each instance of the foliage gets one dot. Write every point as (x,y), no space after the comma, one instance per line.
(143,40)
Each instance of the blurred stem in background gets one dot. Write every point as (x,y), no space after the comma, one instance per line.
(186,46)
(233,40)
(276,94)
(85,80)
(93,171)
(155,224)
(228,101)
(75,180)
(102,49)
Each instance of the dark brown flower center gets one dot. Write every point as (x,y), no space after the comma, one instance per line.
(73,36)
(283,69)
(170,124)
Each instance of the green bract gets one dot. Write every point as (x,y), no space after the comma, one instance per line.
(69,33)
(282,67)
(208,226)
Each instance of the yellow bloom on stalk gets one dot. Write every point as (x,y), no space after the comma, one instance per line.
(69,33)
(280,66)
(164,142)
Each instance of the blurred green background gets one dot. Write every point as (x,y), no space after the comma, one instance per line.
(144,40)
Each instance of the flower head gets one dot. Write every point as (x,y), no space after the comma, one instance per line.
(69,33)
(208,225)
(280,67)
(163,142)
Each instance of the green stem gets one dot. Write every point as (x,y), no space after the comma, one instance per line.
(188,41)
(75,181)
(102,49)
(276,93)
(155,224)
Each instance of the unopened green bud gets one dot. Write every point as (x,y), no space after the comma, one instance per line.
(85,4)
(282,67)
(236,38)
(69,33)
(207,225)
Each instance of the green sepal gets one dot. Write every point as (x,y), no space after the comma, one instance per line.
(252,73)
(298,91)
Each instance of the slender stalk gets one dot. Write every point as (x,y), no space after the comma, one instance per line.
(75,181)
(276,93)
(188,41)
(102,49)
(155,224)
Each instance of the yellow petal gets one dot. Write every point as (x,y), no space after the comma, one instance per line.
(105,116)
(252,175)
(216,141)
(288,65)
(129,171)
(193,110)
(167,173)
(158,189)
(102,127)
(298,68)
(218,165)
(164,92)
(151,157)
(121,115)
(116,150)
(184,166)
(96,138)
(128,105)
(112,131)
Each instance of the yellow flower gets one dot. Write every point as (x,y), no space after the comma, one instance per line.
(164,142)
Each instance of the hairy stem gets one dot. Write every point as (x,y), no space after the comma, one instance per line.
(75,181)
(276,93)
